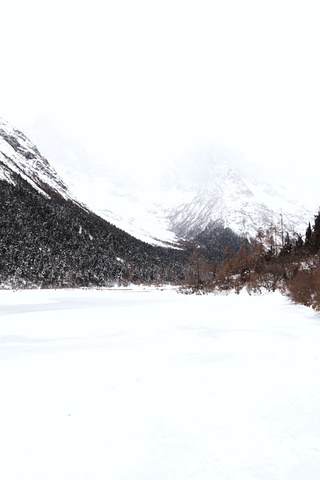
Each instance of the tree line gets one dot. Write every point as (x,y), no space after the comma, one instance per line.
(50,242)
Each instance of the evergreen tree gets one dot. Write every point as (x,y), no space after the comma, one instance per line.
(298,248)
(315,240)
(287,245)
(308,238)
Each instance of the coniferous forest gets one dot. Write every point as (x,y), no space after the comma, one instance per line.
(51,242)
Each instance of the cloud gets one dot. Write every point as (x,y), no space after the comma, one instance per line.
(142,82)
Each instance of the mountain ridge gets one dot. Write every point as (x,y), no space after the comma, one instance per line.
(219,193)
(48,239)
(206,186)
(19,155)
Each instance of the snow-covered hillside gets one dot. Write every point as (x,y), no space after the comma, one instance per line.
(220,191)
(111,193)
(20,156)
(49,238)
(207,186)
(137,385)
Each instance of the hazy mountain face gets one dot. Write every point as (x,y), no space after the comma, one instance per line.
(208,185)
(111,192)
(220,188)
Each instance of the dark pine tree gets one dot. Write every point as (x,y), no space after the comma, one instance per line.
(287,246)
(315,239)
(308,238)
(298,248)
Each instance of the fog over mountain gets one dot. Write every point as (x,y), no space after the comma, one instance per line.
(207,185)
(80,223)
(139,84)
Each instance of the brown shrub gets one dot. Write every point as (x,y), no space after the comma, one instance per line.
(304,287)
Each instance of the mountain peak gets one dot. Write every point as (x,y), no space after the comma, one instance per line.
(209,185)
(222,192)
(18,155)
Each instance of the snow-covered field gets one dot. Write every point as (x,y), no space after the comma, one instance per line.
(152,385)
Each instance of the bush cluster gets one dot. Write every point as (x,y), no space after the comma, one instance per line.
(265,263)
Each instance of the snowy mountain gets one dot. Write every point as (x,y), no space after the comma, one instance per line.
(217,190)
(18,155)
(209,186)
(107,190)
(49,239)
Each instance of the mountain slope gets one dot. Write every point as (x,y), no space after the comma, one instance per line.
(206,187)
(20,156)
(107,190)
(215,191)
(50,240)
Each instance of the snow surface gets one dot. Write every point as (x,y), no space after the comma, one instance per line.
(149,384)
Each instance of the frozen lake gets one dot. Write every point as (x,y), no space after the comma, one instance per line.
(152,385)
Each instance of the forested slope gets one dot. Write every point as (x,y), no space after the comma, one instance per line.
(49,241)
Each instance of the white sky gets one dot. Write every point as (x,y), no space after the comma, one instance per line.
(146,80)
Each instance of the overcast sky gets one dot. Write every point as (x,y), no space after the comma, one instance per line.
(146,80)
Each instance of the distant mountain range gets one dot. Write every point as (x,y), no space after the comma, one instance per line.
(215,190)
(89,225)
(208,187)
